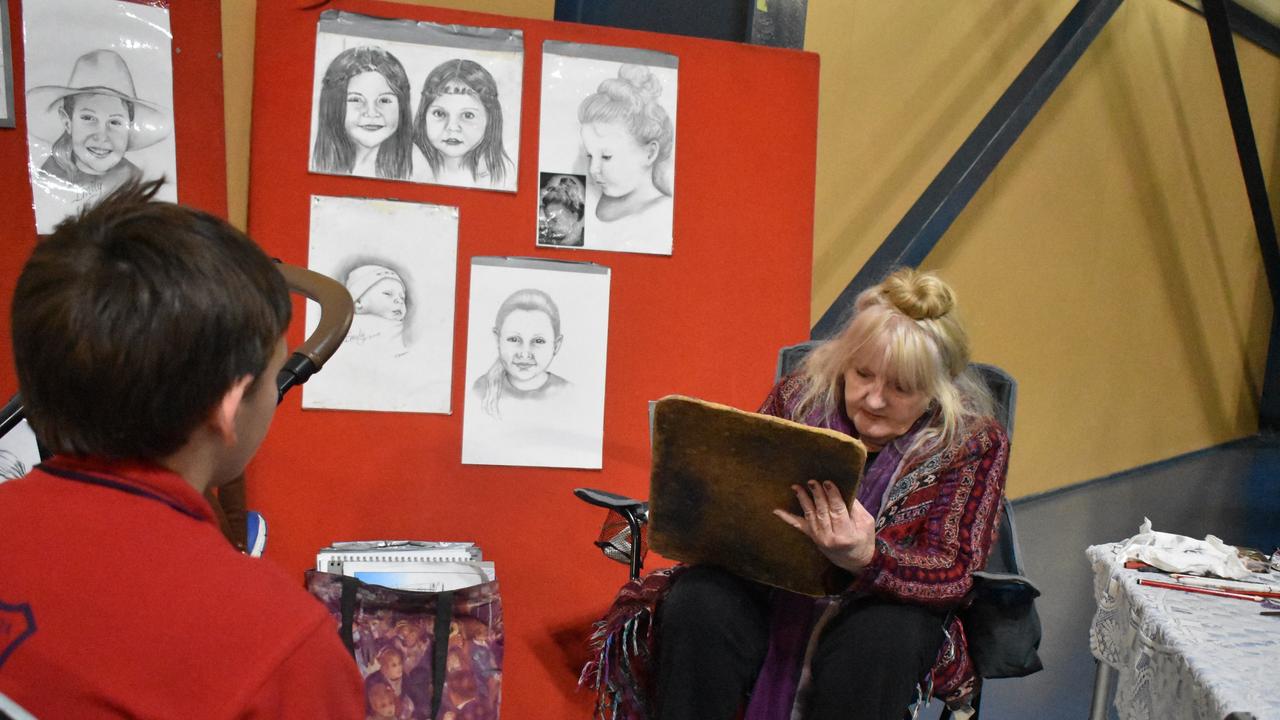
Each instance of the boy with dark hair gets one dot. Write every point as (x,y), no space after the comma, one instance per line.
(147,338)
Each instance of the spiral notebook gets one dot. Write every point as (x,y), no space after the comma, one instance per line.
(409,564)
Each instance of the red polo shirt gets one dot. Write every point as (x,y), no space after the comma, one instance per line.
(119,597)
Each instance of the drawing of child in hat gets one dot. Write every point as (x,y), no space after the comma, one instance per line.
(92,122)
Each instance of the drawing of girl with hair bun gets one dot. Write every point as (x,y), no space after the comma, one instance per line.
(628,138)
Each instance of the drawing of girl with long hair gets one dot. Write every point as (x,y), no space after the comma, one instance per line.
(458,126)
(365,124)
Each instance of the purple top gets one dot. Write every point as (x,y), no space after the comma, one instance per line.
(875,480)
(792,616)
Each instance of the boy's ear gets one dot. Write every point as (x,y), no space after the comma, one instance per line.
(223,419)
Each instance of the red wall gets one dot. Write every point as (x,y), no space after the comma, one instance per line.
(706,321)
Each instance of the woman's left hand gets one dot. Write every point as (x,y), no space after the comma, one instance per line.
(846,536)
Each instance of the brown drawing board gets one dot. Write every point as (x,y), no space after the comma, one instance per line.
(719,472)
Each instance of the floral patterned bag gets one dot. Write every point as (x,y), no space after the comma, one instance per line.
(423,655)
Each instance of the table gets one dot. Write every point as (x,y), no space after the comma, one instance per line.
(1176,655)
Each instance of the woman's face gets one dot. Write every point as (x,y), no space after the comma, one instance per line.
(456,121)
(373,110)
(384,298)
(99,129)
(880,408)
(526,345)
(615,161)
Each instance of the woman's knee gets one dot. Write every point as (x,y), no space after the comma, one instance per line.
(870,658)
(707,598)
(889,624)
(902,638)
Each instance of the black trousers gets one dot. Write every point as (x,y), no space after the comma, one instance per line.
(714,632)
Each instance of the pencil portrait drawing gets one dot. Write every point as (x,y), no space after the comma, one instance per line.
(537,341)
(627,138)
(527,333)
(397,260)
(458,127)
(381,305)
(365,127)
(609,117)
(416,101)
(99,102)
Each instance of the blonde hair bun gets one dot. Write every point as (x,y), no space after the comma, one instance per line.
(641,81)
(918,295)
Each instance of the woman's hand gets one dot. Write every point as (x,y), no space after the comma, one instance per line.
(847,536)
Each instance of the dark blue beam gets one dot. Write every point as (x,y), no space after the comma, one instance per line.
(924,224)
(1248,25)
(1224,52)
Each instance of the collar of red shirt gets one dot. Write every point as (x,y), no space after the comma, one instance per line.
(136,477)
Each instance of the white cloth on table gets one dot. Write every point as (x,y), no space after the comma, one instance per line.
(1181,655)
(1179,553)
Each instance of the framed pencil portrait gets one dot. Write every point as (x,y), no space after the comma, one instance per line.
(99,101)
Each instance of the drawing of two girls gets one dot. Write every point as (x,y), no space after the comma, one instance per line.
(366,125)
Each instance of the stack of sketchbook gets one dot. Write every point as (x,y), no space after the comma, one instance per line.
(408,564)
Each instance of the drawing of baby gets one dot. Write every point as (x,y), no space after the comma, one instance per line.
(381,307)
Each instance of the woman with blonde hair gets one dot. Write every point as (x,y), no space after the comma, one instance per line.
(923,521)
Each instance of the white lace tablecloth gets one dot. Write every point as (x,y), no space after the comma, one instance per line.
(1180,655)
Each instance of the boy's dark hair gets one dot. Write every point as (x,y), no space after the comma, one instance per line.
(134,318)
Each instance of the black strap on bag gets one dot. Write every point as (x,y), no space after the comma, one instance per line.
(440,645)
(440,648)
(348,607)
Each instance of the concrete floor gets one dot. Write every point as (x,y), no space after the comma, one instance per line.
(1232,491)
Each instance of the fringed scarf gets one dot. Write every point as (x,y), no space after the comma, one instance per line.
(623,648)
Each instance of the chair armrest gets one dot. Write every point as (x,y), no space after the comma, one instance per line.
(613,501)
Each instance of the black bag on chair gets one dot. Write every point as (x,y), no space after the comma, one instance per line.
(1002,626)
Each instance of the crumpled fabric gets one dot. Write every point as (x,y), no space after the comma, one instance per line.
(1179,553)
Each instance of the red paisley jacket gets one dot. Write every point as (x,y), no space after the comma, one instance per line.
(935,529)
